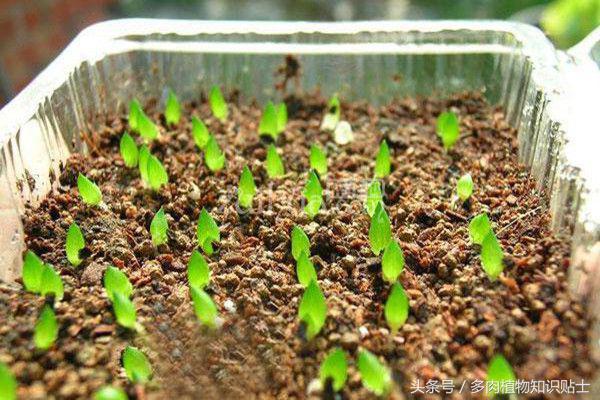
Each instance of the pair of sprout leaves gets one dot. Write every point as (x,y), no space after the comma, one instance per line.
(491,254)
(152,171)
(119,290)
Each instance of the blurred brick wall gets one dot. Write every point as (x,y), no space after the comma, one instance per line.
(33,32)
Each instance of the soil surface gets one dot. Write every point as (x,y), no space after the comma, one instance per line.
(458,318)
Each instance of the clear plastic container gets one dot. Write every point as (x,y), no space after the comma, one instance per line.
(550,96)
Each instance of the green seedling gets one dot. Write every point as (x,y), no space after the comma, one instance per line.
(51,283)
(273,163)
(313,192)
(144,156)
(213,156)
(33,267)
(89,192)
(124,310)
(499,374)
(464,187)
(492,256)
(46,329)
(396,308)
(479,228)
(383,164)
(392,262)
(74,244)
(115,281)
(300,242)
(375,376)
(135,110)
(305,270)
(110,393)
(447,129)
(313,309)
(207,232)
(334,369)
(8,383)
(332,116)
(380,231)
(318,160)
(204,307)
(156,172)
(198,271)
(146,127)
(172,109)
(218,104)
(282,117)
(373,198)
(129,150)
(136,365)
(273,120)
(200,133)
(246,188)
(159,227)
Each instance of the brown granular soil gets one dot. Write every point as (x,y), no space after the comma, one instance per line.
(458,318)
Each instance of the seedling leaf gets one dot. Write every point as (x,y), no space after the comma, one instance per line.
(172,109)
(318,160)
(8,383)
(74,244)
(305,270)
(396,307)
(382,161)
(447,129)
(373,198)
(198,271)
(332,116)
(157,174)
(89,192)
(479,228)
(33,267)
(207,232)
(464,187)
(499,374)
(300,242)
(135,110)
(380,231)
(273,163)
(129,150)
(115,281)
(46,329)
(268,123)
(246,188)
(313,192)
(218,104)
(374,375)
(392,262)
(213,156)
(491,256)
(136,365)
(334,367)
(204,307)
(124,310)
(313,309)
(282,117)
(159,227)
(144,156)
(51,283)
(200,133)
(146,127)
(110,393)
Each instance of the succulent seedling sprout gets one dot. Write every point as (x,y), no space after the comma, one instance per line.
(374,375)
(172,109)
(115,281)
(268,122)
(157,174)
(246,188)
(313,309)
(479,228)
(159,228)
(334,368)
(46,329)
(144,156)
(51,283)
(499,374)
(447,129)
(492,256)
(396,307)
(464,187)
(8,383)
(332,116)
(380,231)
(74,244)
(374,197)
(146,127)
(382,161)
(124,310)
(305,270)
(136,365)
(198,271)
(200,133)
(110,393)
(313,192)
(392,262)
(33,267)
(213,156)
(273,163)
(204,307)
(207,232)
(300,242)
(318,159)
(129,150)
(89,192)
(282,117)
(135,110)
(217,104)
